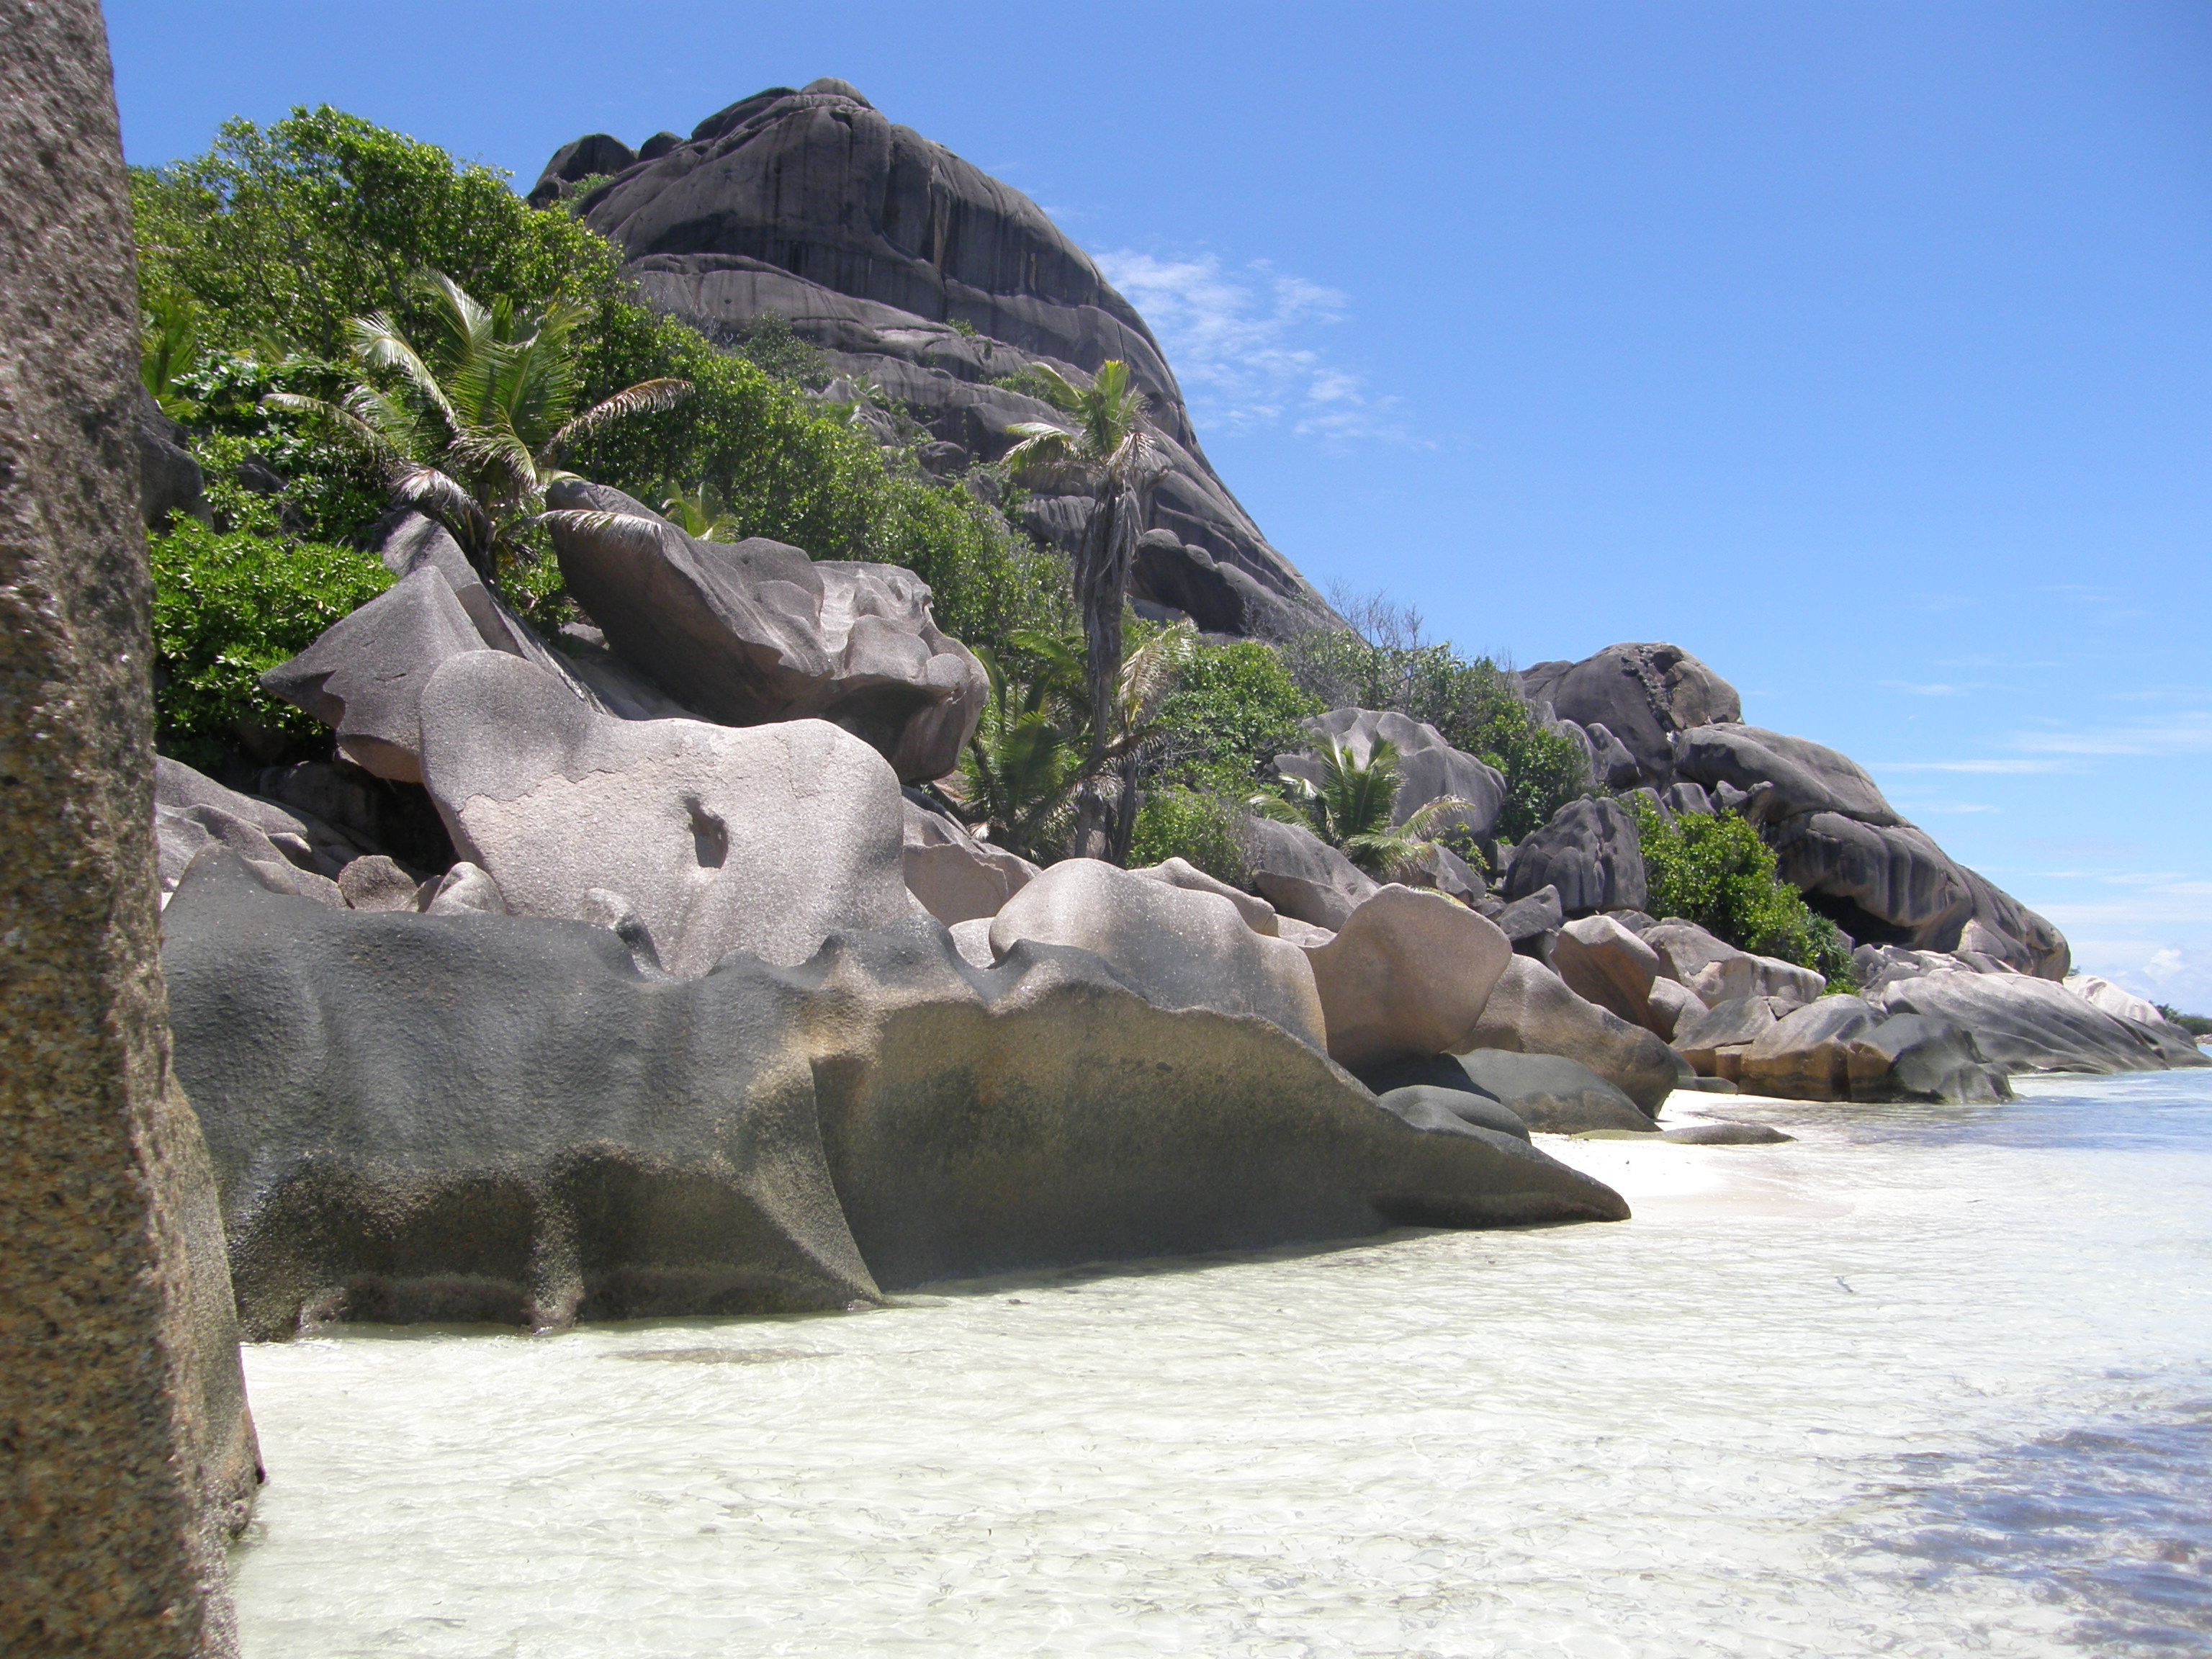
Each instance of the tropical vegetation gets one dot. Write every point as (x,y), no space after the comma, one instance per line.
(1714,870)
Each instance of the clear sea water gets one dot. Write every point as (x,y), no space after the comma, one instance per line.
(1929,1381)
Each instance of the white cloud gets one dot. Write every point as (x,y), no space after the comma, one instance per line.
(2184,734)
(2178,976)
(1239,342)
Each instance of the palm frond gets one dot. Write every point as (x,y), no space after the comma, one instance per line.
(348,426)
(437,494)
(647,398)
(377,343)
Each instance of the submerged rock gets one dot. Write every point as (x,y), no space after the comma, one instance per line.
(421,1117)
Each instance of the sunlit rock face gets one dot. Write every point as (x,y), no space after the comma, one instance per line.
(873,243)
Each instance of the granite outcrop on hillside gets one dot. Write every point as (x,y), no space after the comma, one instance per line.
(917,273)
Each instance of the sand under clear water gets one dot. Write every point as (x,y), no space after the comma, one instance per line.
(1929,1381)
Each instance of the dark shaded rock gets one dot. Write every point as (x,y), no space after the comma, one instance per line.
(871,241)
(418,1117)
(1642,695)
(658,146)
(758,631)
(356,812)
(170,484)
(1301,875)
(1526,919)
(594,154)
(1532,1012)
(1418,1104)
(128,1450)
(1913,1057)
(1726,1135)
(1685,798)
(1554,1095)
(1590,852)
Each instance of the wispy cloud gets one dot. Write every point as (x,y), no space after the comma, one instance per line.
(1240,342)
(2187,733)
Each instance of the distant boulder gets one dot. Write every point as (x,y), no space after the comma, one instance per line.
(1590,852)
(1642,695)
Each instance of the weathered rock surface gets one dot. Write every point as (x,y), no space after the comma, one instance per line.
(192,812)
(957,877)
(765,839)
(1175,947)
(758,631)
(1744,975)
(1406,976)
(1672,1006)
(1531,1011)
(1603,962)
(2027,1024)
(1536,916)
(1590,852)
(1806,1054)
(1734,1025)
(1913,1057)
(1429,768)
(1259,914)
(1642,694)
(872,242)
(418,1117)
(128,1452)
(1301,875)
(1554,1095)
(364,677)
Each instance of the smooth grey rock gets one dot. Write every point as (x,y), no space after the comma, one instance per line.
(1406,976)
(1603,962)
(870,241)
(1429,768)
(1174,946)
(1643,695)
(1736,1024)
(418,1117)
(1806,1054)
(1304,933)
(2024,1023)
(1554,1095)
(1531,1011)
(170,484)
(1590,852)
(1687,799)
(1745,975)
(1301,875)
(1686,947)
(1420,1103)
(1259,914)
(467,889)
(2173,1042)
(1725,1134)
(364,677)
(595,153)
(957,877)
(765,840)
(1913,1057)
(756,631)
(1526,918)
(181,835)
(1673,1006)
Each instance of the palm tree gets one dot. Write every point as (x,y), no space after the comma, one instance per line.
(473,432)
(1349,809)
(168,349)
(1032,762)
(704,515)
(1108,454)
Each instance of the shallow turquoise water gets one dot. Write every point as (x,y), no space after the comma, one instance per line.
(1928,1381)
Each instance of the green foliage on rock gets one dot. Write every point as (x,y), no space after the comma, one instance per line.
(1383,663)
(278,235)
(1715,870)
(226,609)
(1193,824)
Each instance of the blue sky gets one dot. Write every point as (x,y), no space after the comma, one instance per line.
(1863,350)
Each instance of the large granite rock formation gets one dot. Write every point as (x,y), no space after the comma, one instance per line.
(1642,695)
(425,1117)
(872,242)
(758,631)
(128,1452)
(764,839)
(1588,854)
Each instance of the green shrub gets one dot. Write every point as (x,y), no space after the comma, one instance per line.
(229,607)
(1235,708)
(1190,823)
(1716,872)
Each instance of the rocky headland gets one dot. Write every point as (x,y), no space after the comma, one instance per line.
(664,961)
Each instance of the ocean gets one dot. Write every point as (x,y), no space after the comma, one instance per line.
(1927,1380)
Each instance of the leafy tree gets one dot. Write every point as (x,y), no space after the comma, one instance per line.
(1349,809)
(1714,870)
(1196,825)
(482,411)
(226,609)
(1233,709)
